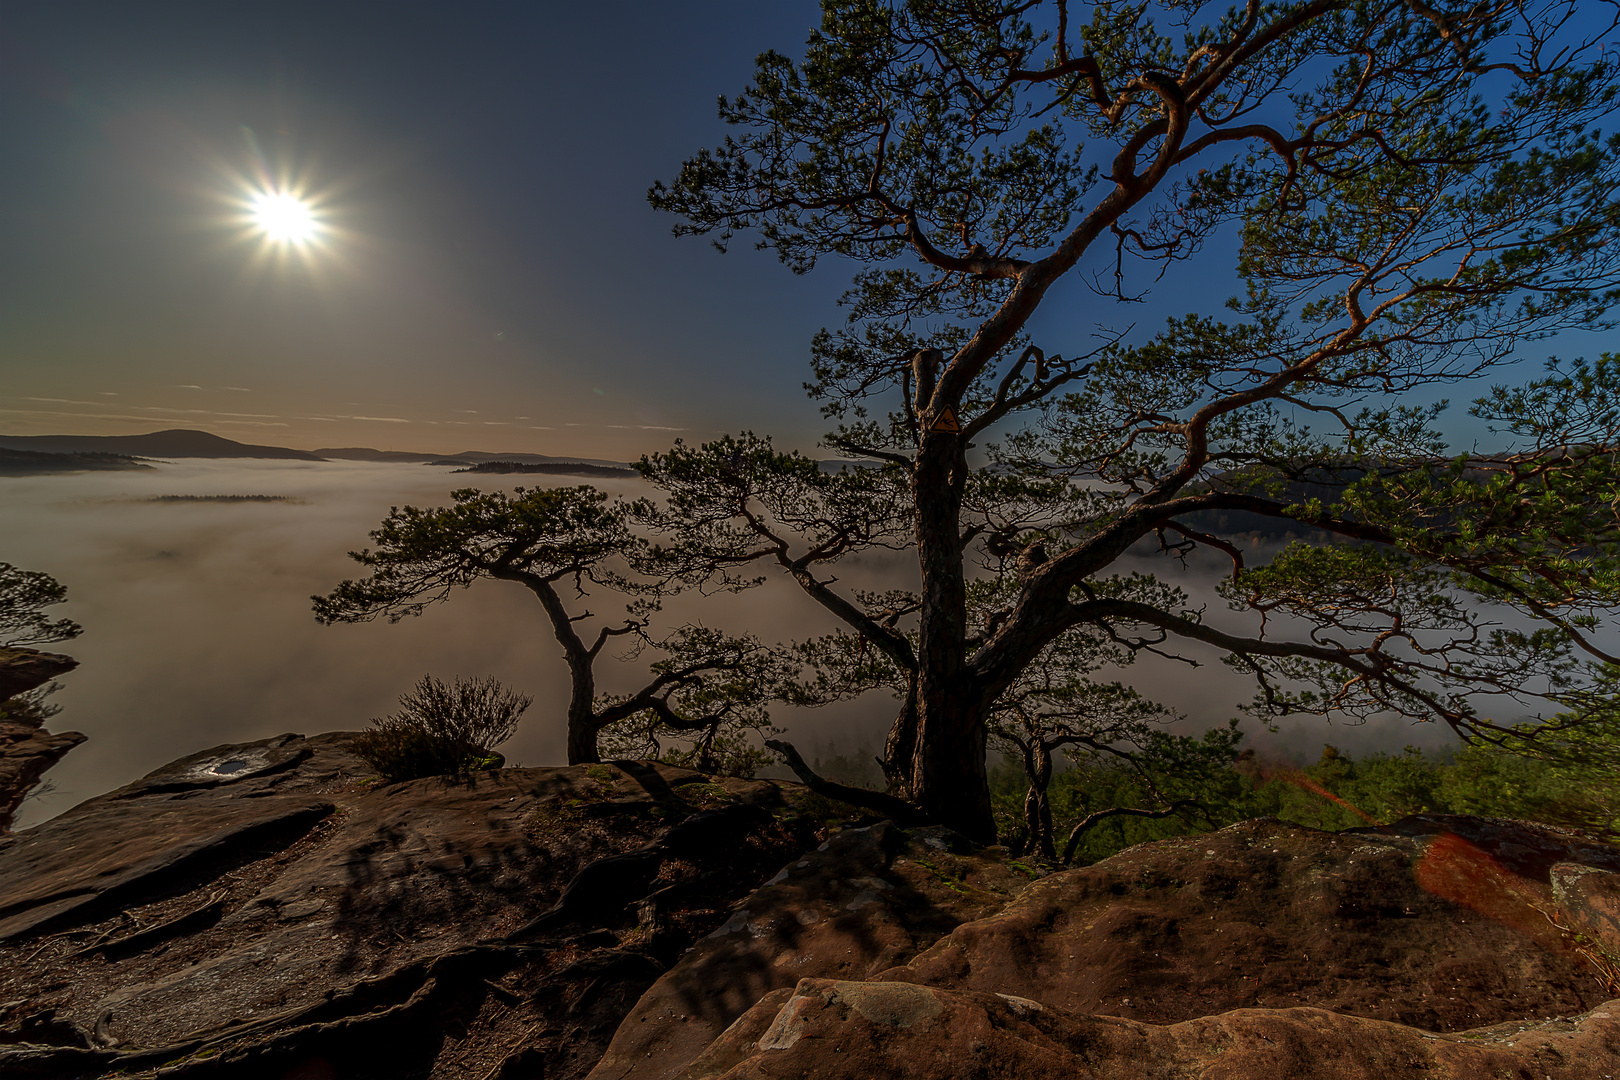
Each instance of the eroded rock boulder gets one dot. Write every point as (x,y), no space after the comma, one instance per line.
(1377,949)
(1439,923)
(865,900)
(1588,900)
(831,1030)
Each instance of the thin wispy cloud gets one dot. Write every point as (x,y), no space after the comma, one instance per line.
(251,423)
(623,427)
(60,401)
(205,412)
(132,419)
(148,408)
(143,408)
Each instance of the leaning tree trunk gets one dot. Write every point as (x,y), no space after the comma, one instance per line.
(582,729)
(582,720)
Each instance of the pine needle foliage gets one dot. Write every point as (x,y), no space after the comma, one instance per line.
(23,596)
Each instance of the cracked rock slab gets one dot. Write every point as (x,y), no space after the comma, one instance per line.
(183,926)
(50,888)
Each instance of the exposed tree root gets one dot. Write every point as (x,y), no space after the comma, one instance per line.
(880,802)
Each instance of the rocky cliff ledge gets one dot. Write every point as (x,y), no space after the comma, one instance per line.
(27,750)
(270,910)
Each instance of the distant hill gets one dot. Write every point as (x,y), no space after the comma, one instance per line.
(530,459)
(175,443)
(37,463)
(550,468)
(365,453)
(185,443)
(465,457)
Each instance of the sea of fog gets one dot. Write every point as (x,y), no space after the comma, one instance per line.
(198,630)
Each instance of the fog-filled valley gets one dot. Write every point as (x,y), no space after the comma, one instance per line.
(198,629)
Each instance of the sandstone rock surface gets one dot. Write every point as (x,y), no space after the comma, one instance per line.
(1360,955)
(832,1030)
(259,909)
(271,910)
(27,750)
(863,901)
(1439,923)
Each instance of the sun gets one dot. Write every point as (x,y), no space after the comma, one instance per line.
(284,218)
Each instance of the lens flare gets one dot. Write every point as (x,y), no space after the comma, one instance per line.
(284,218)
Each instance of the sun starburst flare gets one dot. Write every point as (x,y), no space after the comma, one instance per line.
(282,217)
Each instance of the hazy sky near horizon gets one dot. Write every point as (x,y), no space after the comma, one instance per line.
(492,278)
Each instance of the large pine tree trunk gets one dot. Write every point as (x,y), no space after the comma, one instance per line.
(950,784)
(948,780)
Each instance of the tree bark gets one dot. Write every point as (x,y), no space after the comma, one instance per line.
(582,720)
(952,786)
(901,746)
(948,779)
(1038,801)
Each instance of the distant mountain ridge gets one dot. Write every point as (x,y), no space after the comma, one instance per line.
(176,442)
(189,443)
(543,468)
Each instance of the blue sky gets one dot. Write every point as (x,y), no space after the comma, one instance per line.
(492,277)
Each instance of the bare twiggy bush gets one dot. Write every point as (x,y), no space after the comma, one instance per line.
(443,730)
